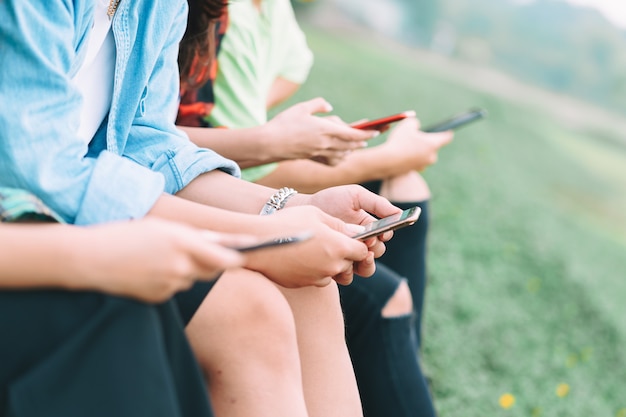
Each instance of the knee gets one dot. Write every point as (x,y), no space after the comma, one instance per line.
(317,307)
(244,315)
(400,303)
(259,307)
(410,186)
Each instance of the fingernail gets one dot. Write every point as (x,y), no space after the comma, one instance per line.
(363,144)
(354,229)
(329,107)
(375,133)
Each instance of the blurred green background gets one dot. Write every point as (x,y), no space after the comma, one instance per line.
(527,263)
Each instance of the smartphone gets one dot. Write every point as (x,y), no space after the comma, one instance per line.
(274,242)
(457,121)
(393,222)
(384,122)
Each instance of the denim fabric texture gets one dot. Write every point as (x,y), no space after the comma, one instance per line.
(137,153)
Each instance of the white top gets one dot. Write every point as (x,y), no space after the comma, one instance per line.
(94,79)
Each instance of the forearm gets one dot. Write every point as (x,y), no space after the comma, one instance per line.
(281,90)
(219,202)
(248,147)
(358,167)
(57,263)
(220,190)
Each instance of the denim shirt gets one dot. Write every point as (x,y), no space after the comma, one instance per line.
(137,153)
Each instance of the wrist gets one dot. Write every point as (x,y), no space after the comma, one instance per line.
(267,141)
(278,200)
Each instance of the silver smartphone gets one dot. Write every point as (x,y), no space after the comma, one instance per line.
(393,222)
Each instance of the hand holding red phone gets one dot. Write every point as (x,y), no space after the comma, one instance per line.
(299,133)
(384,123)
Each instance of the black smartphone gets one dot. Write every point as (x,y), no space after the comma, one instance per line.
(457,121)
(393,222)
(274,242)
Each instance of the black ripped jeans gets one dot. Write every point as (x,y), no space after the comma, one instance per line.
(385,351)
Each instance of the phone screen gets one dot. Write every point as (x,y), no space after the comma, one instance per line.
(395,221)
(457,121)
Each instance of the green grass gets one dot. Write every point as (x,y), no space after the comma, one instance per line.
(527,262)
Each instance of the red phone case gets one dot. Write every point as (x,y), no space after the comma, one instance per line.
(384,122)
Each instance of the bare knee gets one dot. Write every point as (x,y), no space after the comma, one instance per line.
(245,315)
(410,186)
(400,304)
(317,308)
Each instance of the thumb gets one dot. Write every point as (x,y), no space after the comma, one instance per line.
(316,105)
(410,123)
(442,138)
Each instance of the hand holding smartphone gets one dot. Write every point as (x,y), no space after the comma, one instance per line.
(393,222)
(383,123)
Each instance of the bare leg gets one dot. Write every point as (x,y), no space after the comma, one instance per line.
(329,383)
(407,187)
(245,339)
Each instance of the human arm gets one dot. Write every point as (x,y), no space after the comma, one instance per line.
(281,90)
(148,260)
(330,253)
(351,204)
(293,56)
(406,149)
(294,133)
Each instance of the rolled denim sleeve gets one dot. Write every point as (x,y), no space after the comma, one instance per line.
(39,118)
(154,140)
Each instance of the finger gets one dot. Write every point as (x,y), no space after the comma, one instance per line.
(378,248)
(367,267)
(409,123)
(442,138)
(338,143)
(347,133)
(335,119)
(357,252)
(385,237)
(212,258)
(316,105)
(350,229)
(375,204)
(345,277)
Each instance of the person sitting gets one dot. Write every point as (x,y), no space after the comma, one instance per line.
(262,59)
(90,131)
(88,323)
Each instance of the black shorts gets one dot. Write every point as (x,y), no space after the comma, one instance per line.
(75,353)
(189,301)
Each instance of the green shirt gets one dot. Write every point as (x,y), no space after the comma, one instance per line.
(258,47)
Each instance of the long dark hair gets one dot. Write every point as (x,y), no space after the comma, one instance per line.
(197,48)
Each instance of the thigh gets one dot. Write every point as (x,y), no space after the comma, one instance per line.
(83,353)
(369,294)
